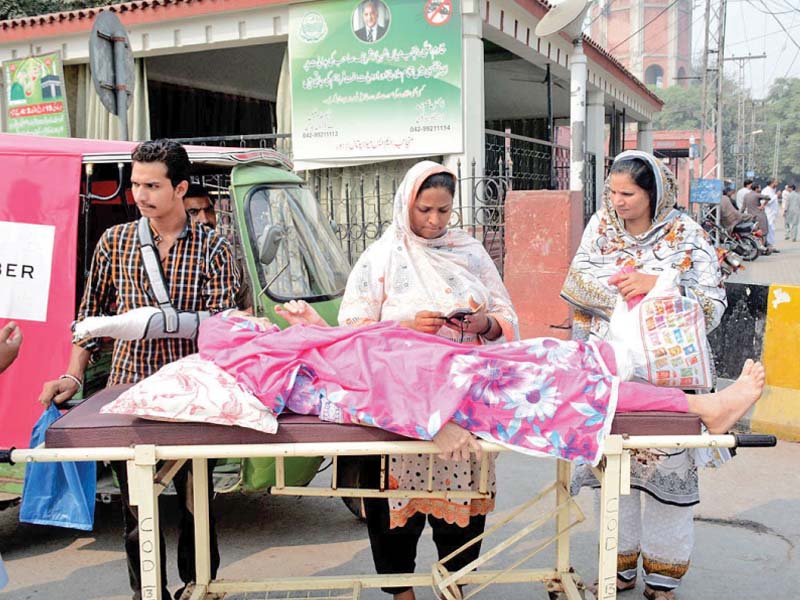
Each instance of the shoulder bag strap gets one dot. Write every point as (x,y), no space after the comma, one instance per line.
(152,266)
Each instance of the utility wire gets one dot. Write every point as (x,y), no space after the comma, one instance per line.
(774,16)
(665,9)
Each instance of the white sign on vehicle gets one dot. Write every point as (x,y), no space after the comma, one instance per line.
(26,260)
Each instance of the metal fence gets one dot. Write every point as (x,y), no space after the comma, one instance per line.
(528,163)
(359,200)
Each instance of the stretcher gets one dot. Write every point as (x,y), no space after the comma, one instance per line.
(154,451)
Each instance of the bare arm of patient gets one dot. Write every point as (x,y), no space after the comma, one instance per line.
(456,443)
(300,312)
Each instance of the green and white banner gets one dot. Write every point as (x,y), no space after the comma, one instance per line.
(375,79)
(36,100)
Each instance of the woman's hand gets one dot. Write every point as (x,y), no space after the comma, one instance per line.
(478,322)
(425,321)
(300,311)
(455,442)
(634,284)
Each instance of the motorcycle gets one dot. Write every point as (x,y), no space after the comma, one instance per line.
(742,240)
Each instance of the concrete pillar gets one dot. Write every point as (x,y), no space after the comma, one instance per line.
(543,230)
(644,137)
(472,94)
(577,116)
(596,138)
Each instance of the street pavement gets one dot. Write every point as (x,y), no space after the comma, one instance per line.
(747,534)
(782,268)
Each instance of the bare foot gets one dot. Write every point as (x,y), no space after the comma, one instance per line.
(407,595)
(721,410)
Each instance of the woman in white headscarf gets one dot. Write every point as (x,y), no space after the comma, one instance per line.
(417,273)
(637,234)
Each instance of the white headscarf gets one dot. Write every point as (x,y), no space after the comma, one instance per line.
(673,241)
(403,273)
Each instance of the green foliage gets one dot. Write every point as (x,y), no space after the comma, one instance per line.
(682,108)
(782,105)
(15,9)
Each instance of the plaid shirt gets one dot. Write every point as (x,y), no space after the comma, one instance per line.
(200,273)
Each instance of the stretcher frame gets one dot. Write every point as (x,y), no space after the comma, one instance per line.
(146,483)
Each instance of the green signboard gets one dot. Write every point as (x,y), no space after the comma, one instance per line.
(36,100)
(375,78)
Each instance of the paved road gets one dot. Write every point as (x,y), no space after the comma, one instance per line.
(748,530)
(782,268)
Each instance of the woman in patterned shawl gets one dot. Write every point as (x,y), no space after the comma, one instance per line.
(637,234)
(416,273)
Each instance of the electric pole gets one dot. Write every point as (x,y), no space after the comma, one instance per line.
(741,150)
(713,62)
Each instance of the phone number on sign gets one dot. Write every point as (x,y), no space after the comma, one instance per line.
(321,134)
(421,128)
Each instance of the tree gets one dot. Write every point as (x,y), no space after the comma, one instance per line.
(15,9)
(780,106)
(683,109)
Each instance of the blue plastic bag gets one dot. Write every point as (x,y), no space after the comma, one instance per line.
(3,574)
(58,493)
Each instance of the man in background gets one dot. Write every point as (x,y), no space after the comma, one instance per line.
(199,206)
(746,187)
(791,211)
(771,209)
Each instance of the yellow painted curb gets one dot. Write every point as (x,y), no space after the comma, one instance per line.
(778,413)
(782,336)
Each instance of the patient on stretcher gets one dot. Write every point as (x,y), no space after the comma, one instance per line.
(543,396)
(540,396)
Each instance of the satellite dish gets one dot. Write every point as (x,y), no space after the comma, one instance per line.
(567,16)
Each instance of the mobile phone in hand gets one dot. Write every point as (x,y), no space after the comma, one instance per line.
(456,316)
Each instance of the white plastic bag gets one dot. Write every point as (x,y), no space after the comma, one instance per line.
(665,337)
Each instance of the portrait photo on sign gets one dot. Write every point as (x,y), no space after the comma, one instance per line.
(371,20)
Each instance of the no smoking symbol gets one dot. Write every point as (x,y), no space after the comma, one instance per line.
(438,12)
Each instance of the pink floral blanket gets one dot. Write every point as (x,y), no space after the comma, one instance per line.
(542,396)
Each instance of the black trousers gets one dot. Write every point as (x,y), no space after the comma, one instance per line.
(395,550)
(186,565)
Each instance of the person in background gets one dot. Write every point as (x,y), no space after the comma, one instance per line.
(417,274)
(754,202)
(742,192)
(201,209)
(199,206)
(638,233)
(199,270)
(729,217)
(771,210)
(791,211)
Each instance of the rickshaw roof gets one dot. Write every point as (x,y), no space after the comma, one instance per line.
(106,151)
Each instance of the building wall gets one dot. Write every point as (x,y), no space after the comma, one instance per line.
(641,33)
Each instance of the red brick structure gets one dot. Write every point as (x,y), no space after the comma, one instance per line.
(543,230)
(651,38)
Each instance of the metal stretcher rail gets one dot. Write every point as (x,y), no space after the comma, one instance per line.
(146,482)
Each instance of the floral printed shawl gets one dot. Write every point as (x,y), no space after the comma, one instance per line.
(543,396)
(673,241)
(403,273)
